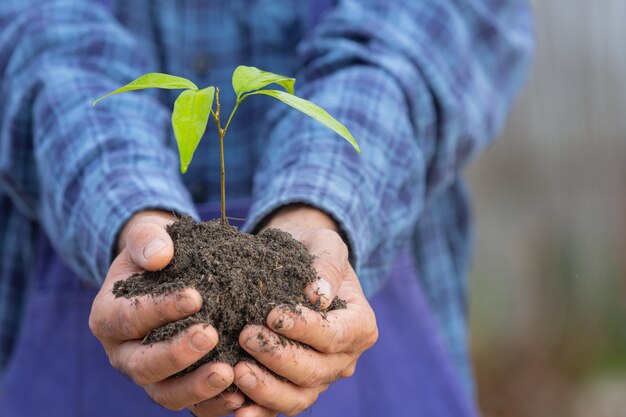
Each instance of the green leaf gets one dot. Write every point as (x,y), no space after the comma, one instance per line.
(313,111)
(153,80)
(246,79)
(189,118)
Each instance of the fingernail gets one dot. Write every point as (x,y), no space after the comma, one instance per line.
(215,381)
(233,406)
(323,289)
(248,381)
(153,248)
(200,342)
(285,322)
(253,344)
(186,304)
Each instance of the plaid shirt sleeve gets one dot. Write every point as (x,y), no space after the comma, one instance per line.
(423,86)
(81,171)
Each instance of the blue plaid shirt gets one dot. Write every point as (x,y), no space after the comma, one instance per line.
(422,85)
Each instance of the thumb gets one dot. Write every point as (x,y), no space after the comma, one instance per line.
(330,259)
(148,244)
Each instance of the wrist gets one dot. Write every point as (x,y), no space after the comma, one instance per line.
(299,216)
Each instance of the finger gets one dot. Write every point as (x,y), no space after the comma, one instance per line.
(349,329)
(330,258)
(267,391)
(255,410)
(148,364)
(350,290)
(122,318)
(205,382)
(222,405)
(149,245)
(304,367)
(358,309)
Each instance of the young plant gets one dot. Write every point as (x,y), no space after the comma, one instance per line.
(193,107)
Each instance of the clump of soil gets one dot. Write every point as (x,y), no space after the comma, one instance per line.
(240,276)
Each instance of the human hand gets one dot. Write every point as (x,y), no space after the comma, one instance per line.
(337,340)
(120,324)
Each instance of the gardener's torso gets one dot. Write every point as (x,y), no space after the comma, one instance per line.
(204,41)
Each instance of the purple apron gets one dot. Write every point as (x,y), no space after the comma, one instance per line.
(59,369)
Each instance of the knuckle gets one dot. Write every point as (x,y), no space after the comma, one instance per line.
(136,232)
(161,310)
(372,337)
(298,406)
(330,268)
(138,371)
(310,325)
(174,356)
(164,398)
(314,379)
(95,325)
(338,339)
(116,363)
(126,322)
(348,372)
(278,354)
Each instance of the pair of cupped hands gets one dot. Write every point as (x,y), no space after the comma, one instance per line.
(337,339)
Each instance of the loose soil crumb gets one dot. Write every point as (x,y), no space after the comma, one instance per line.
(240,276)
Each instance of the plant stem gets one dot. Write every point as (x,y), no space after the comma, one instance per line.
(231,115)
(221,133)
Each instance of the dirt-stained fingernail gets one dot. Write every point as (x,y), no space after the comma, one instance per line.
(285,322)
(254,343)
(323,290)
(153,248)
(248,381)
(188,303)
(200,342)
(216,381)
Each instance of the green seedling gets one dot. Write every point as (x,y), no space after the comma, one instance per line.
(193,107)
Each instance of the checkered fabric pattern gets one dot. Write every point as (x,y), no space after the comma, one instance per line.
(422,85)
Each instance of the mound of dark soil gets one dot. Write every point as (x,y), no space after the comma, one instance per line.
(240,276)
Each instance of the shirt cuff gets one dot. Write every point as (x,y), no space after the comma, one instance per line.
(334,195)
(119,195)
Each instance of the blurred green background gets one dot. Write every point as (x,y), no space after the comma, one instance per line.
(548,299)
